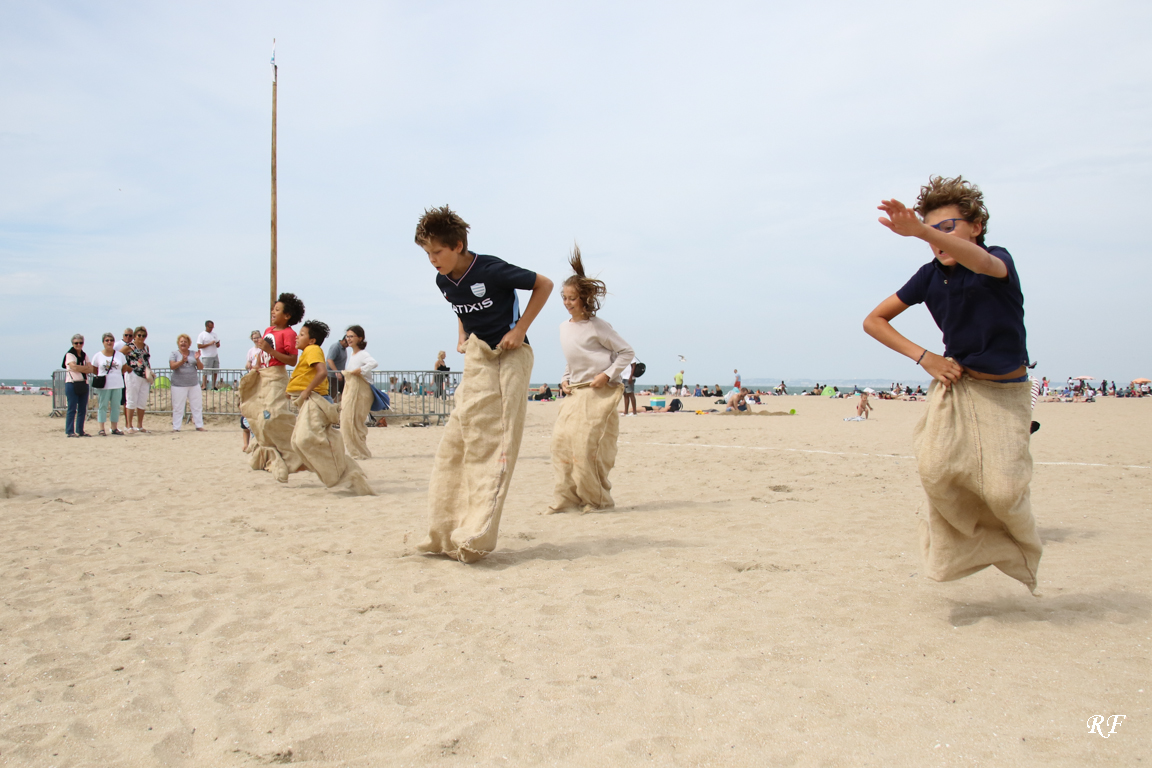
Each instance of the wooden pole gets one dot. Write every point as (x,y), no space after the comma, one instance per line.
(274,294)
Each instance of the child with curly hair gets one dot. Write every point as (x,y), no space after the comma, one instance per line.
(263,393)
(972,441)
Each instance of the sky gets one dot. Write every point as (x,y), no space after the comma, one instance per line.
(718,164)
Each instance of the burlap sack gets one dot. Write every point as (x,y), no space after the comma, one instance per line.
(972,449)
(477,454)
(264,402)
(584,448)
(321,448)
(354,406)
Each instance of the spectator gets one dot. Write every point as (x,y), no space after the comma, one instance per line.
(208,343)
(138,383)
(125,340)
(335,362)
(78,367)
(184,364)
(256,356)
(630,389)
(110,366)
(441,369)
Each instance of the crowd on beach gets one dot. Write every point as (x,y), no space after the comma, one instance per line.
(121,377)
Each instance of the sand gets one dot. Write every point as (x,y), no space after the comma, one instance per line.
(754,600)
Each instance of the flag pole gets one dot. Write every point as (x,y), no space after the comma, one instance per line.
(273,301)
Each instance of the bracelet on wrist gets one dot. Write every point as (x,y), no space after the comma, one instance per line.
(921,358)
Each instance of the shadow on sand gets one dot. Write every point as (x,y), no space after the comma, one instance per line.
(1111,607)
(608,547)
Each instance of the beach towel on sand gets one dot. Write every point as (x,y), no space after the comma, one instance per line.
(321,448)
(354,406)
(477,454)
(264,402)
(584,448)
(972,449)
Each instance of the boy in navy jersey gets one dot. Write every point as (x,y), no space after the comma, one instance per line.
(477,454)
(972,442)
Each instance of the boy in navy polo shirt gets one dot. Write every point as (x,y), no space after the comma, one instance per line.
(477,454)
(972,442)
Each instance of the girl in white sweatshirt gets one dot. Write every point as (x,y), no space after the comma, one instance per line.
(584,438)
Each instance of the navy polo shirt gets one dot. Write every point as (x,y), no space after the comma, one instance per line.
(982,317)
(485,297)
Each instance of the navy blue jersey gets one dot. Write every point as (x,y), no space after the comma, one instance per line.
(982,317)
(485,297)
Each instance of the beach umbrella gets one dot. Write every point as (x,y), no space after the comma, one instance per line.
(1084,378)
(1142,381)
(869,390)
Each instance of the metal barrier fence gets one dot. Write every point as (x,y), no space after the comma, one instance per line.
(422,395)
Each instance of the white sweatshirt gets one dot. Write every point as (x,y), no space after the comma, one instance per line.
(592,347)
(360,361)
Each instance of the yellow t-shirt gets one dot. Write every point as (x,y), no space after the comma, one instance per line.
(303,372)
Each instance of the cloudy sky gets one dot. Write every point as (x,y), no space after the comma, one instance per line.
(718,163)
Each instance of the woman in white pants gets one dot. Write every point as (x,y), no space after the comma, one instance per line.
(185,384)
(137,383)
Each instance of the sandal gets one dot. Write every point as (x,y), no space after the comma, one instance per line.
(102,433)
(117,432)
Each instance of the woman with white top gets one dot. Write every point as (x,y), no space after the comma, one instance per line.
(111,367)
(78,367)
(185,384)
(588,425)
(256,356)
(357,398)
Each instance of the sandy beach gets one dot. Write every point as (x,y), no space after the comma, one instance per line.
(754,600)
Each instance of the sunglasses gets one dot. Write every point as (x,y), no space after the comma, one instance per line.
(947,225)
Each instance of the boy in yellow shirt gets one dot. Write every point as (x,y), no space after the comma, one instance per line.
(310,374)
(315,437)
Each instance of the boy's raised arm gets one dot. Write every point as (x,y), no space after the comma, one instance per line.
(540,293)
(904,222)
